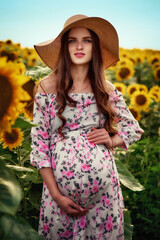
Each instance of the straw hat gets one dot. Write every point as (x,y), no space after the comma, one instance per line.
(109,43)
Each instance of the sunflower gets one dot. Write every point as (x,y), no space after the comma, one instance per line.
(124,72)
(155,65)
(155,95)
(156,73)
(140,100)
(125,61)
(136,114)
(12,139)
(121,87)
(143,87)
(155,88)
(154,59)
(132,88)
(11,93)
(159,131)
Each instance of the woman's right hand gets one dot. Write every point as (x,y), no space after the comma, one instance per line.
(70,207)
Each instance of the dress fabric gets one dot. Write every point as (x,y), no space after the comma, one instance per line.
(84,171)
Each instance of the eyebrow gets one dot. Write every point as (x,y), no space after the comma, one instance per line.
(75,38)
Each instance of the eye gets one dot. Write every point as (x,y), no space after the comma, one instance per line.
(71,41)
(87,40)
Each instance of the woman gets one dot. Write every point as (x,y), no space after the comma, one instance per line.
(82,118)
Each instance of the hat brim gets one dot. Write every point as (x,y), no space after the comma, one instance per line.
(109,42)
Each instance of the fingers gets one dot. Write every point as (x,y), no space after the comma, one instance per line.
(73,209)
(98,132)
(98,136)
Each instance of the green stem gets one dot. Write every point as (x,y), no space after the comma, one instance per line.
(19,156)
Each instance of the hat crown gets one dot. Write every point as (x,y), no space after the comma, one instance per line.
(73,19)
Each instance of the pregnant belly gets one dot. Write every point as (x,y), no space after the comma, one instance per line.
(82,170)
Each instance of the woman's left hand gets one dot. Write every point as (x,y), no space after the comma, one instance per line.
(100,136)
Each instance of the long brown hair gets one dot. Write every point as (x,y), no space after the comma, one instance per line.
(97,81)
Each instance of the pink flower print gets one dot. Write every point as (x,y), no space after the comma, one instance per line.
(67,234)
(53,163)
(52,114)
(68,174)
(120,133)
(45,203)
(106,202)
(82,222)
(52,146)
(91,144)
(95,189)
(86,191)
(110,218)
(101,227)
(43,145)
(77,144)
(97,210)
(87,102)
(79,105)
(85,167)
(95,182)
(46,228)
(109,226)
(71,150)
(74,126)
(43,134)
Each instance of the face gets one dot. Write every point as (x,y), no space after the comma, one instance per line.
(80,45)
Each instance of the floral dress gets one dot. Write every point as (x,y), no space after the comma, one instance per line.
(84,171)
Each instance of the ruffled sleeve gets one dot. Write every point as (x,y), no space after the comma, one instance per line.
(128,127)
(40,135)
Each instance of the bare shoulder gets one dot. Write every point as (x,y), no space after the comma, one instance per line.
(47,84)
(109,87)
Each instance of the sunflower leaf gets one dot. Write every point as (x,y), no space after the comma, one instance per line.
(127,179)
(23,123)
(17,228)
(10,191)
(128,227)
(20,169)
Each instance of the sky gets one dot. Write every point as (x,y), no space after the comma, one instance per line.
(34,21)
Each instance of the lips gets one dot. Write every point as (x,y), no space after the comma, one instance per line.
(79,54)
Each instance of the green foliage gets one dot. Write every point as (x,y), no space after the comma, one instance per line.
(38,72)
(16,228)
(10,190)
(128,227)
(143,161)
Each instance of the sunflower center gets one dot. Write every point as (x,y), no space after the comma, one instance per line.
(124,72)
(119,89)
(5,95)
(11,137)
(158,74)
(10,56)
(141,100)
(154,60)
(134,113)
(132,90)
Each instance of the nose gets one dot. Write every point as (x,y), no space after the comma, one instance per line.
(79,45)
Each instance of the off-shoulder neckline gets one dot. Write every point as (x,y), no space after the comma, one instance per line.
(54,94)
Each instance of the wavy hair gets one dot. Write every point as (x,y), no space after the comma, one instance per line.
(97,81)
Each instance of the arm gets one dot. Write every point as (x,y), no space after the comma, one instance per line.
(128,127)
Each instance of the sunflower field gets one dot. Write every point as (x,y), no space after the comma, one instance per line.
(137,76)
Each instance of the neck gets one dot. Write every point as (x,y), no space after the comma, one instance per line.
(79,74)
